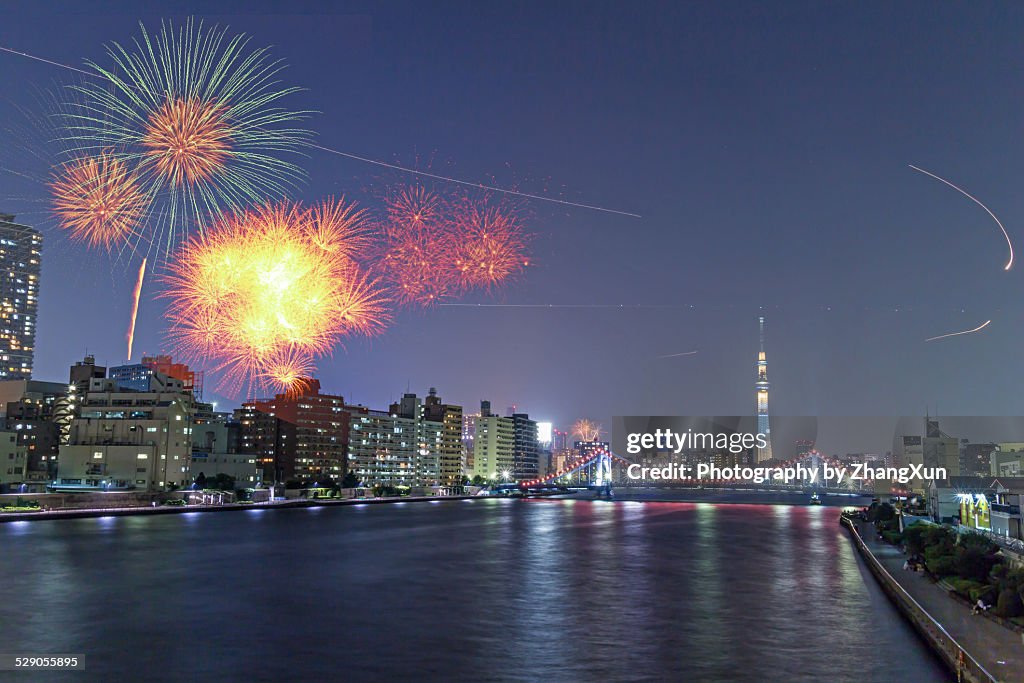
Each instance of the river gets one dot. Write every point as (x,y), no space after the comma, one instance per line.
(518,590)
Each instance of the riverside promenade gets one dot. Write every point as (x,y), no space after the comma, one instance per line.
(997,648)
(141,510)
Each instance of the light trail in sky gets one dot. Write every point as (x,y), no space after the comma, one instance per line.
(675,355)
(135,307)
(377,162)
(956,334)
(1009,263)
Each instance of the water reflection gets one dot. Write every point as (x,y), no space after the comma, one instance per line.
(495,589)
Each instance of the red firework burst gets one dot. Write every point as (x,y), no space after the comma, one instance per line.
(489,244)
(418,264)
(413,207)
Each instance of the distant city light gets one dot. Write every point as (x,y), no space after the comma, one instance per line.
(544,432)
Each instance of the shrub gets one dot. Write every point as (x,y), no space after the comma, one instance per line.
(941,565)
(1009,604)
(893,537)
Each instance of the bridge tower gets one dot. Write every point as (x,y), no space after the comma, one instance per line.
(602,469)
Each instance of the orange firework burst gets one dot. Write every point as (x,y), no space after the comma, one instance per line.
(289,371)
(260,295)
(98,200)
(187,140)
(340,228)
(490,246)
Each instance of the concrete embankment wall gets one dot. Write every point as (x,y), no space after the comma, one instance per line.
(959,661)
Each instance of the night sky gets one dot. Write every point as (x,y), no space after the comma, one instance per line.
(765,145)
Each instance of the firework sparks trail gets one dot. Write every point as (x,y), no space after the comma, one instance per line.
(262,293)
(478,186)
(676,355)
(377,162)
(956,334)
(135,307)
(1009,244)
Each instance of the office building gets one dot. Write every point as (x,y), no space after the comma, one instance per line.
(123,439)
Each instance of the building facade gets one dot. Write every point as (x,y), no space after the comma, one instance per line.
(451,452)
(526,449)
(306,441)
(494,440)
(20,251)
(129,439)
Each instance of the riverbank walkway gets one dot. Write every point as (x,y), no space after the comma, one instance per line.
(997,648)
(278,504)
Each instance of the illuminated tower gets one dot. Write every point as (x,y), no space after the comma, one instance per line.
(761,387)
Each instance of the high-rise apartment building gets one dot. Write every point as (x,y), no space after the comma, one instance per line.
(525,451)
(20,248)
(494,440)
(452,454)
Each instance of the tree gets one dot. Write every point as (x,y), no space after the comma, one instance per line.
(885,512)
(479,481)
(973,563)
(350,481)
(201,481)
(221,482)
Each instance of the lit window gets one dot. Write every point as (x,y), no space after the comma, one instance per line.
(143,456)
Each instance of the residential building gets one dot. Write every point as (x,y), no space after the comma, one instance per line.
(13,464)
(269,439)
(451,452)
(493,445)
(20,249)
(30,409)
(311,441)
(383,448)
(525,450)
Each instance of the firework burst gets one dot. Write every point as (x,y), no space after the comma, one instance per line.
(490,246)
(196,114)
(586,430)
(418,265)
(98,200)
(260,295)
(414,207)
